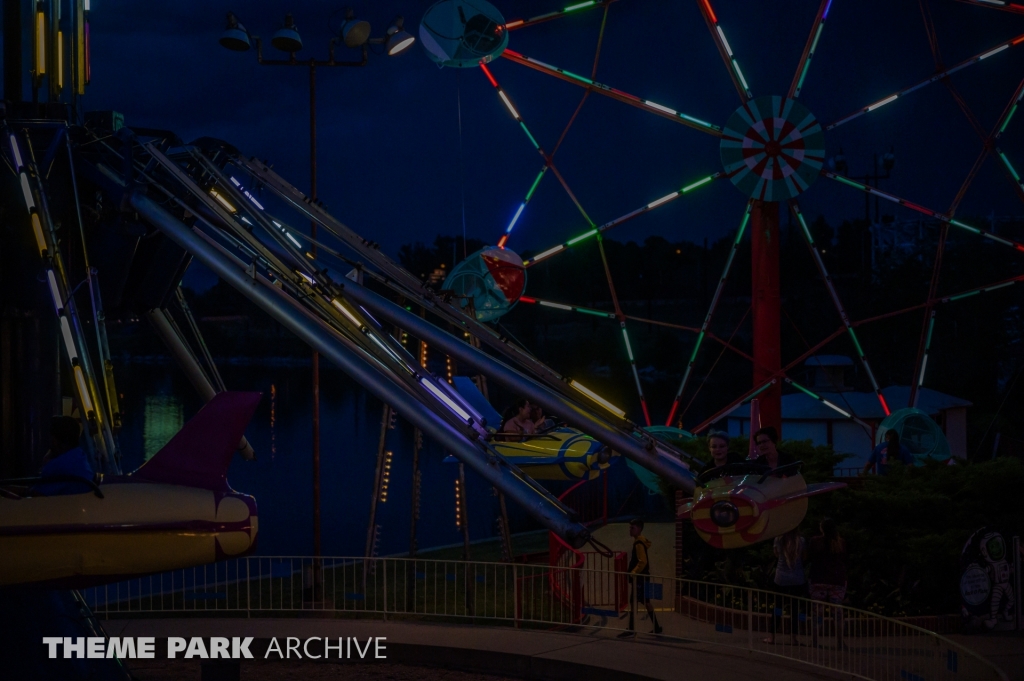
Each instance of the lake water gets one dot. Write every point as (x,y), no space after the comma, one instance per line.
(158,400)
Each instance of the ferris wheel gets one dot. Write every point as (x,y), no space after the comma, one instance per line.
(772,148)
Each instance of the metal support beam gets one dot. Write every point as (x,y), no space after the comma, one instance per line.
(491,468)
(766,308)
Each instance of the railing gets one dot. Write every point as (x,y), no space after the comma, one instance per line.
(846,640)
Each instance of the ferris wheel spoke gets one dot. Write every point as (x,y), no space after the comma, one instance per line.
(827,278)
(725,49)
(834,407)
(573,8)
(519,211)
(607,91)
(921,209)
(1013,171)
(594,231)
(997,4)
(931,79)
(512,109)
(636,374)
(1011,109)
(567,308)
(711,311)
(804,65)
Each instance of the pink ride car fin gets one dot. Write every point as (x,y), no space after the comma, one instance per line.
(199,455)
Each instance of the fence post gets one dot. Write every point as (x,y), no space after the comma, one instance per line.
(515,594)
(248,590)
(750,618)
(1019,624)
(385,591)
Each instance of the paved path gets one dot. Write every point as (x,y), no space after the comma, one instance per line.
(496,650)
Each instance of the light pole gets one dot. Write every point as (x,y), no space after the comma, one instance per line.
(354,33)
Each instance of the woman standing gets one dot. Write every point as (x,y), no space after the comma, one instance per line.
(828,575)
(790,550)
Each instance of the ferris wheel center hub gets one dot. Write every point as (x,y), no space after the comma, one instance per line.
(772,148)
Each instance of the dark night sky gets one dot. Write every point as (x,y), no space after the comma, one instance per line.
(388,133)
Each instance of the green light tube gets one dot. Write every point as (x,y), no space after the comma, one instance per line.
(1009,167)
(581,237)
(696,346)
(629,348)
(536,182)
(573,8)
(761,389)
(965,295)
(803,224)
(856,343)
(804,390)
(696,184)
(527,131)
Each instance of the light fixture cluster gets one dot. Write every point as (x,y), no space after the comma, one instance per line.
(385,477)
(354,33)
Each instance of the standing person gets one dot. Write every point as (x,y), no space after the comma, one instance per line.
(827,555)
(65,458)
(718,445)
(887,452)
(640,575)
(766,439)
(790,552)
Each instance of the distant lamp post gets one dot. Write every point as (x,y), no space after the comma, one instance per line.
(354,33)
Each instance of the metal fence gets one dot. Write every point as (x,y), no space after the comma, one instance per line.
(595,595)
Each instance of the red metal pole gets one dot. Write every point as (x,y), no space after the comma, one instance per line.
(316,355)
(765,307)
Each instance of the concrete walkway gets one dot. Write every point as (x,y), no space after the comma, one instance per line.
(554,656)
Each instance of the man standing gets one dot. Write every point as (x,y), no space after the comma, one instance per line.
(640,576)
(64,459)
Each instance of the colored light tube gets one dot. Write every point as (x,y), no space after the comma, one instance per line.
(536,181)
(803,225)
(1006,162)
(885,405)
(546,254)
(696,346)
(725,43)
(996,50)
(58,302)
(529,134)
(515,217)
(502,241)
(224,202)
(345,311)
(819,398)
(557,306)
(743,81)
(17,154)
(30,203)
(490,76)
(581,237)
(597,398)
(881,103)
(508,104)
(629,348)
(69,341)
(60,59)
(512,25)
(581,5)
(931,79)
(83,390)
(659,107)
(37,231)
(804,65)
(698,183)
(611,92)
(448,402)
(293,239)
(235,182)
(40,44)
(664,199)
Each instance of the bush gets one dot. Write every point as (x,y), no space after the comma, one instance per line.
(904,531)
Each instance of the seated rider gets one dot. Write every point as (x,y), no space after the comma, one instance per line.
(718,445)
(540,421)
(517,419)
(65,458)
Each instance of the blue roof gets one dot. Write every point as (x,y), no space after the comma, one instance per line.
(802,407)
